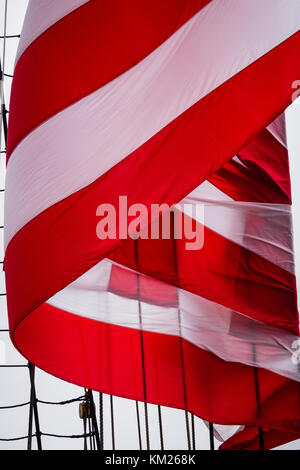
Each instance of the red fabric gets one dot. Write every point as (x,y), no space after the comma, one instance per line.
(61,244)
(248,438)
(270,159)
(264,176)
(223,272)
(86,49)
(132,285)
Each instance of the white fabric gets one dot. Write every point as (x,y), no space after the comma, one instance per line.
(263,228)
(278,129)
(40,15)
(208,325)
(75,147)
(223,432)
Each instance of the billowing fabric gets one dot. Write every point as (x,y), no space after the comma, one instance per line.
(176,102)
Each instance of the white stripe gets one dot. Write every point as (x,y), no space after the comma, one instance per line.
(206,324)
(278,130)
(40,15)
(263,228)
(75,147)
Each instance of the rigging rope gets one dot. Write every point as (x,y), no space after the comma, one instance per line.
(14,438)
(92,420)
(3,108)
(7,407)
(142,350)
(101,425)
(13,365)
(160,428)
(10,36)
(193,431)
(172,218)
(67,436)
(33,410)
(112,423)
(138,424)
(4,34)
(211,436)
(64,402)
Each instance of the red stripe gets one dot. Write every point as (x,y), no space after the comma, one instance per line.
(108,358)
(221,271)
(265,178)
(248,438)
(270,159)
(66,63)
(132,285)
(60,244)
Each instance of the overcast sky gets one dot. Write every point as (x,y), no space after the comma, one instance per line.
(14,383)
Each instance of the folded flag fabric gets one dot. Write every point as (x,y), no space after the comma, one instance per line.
(179,103)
